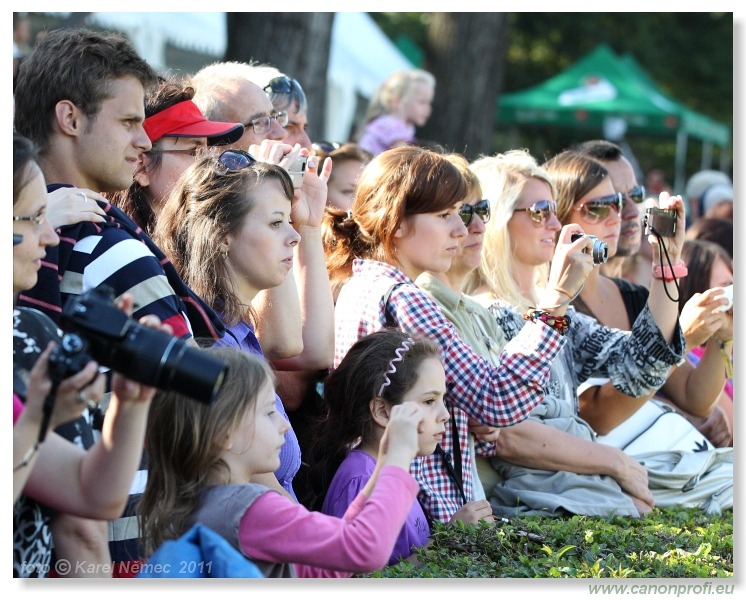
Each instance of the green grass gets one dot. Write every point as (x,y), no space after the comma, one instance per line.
(666,543)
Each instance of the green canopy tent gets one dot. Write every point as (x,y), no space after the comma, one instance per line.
(603,89)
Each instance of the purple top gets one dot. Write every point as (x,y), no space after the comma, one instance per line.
(385,132)
(350,479)
(290,454)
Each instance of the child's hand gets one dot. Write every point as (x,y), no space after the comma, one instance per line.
(400,443)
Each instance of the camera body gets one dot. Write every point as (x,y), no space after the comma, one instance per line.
(662,220)
(98,330)
(297,170)
(728,295)
(599,251)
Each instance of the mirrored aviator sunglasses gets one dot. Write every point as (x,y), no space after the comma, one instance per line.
(540,211)
(233,160)
(481,208)
(636,194)
(599,209)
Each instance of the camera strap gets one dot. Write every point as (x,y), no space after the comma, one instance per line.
(454,469)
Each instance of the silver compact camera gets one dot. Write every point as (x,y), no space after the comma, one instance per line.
(297,170)
(599,251)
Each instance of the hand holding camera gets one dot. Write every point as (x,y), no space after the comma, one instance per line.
(98,330)
(665,223)
(573,261)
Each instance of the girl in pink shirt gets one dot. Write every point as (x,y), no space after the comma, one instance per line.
(201,458)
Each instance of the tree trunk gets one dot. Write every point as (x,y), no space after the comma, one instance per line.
(466,54)
(296,43)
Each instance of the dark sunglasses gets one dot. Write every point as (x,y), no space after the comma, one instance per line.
(233,160)
(637,194)
(281,85)
(481,208)
(599,209)
(540,211)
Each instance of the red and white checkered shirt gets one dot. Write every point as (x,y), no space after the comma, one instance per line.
(497,396)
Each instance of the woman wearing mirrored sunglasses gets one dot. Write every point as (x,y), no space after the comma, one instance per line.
(616,302)
(550,463)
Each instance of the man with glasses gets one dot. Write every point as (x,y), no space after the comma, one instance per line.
(225,92)
(287,95)
(625,182)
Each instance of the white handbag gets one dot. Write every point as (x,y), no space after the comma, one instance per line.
(684,468)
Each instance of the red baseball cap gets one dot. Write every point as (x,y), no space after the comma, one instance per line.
(185,120)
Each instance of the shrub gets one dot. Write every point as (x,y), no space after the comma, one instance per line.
(671,542)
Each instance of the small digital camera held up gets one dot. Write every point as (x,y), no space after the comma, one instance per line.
(297,170)
(599,251)
(660,221)
(98,330)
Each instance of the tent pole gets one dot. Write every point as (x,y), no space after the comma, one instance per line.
(706,155)
(679,177)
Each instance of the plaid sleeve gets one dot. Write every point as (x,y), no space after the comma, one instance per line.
(497,396)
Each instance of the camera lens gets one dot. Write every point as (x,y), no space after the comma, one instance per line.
(169,363)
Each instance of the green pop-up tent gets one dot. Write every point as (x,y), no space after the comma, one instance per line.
(603,87)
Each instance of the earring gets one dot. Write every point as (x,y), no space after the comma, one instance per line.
(225,255)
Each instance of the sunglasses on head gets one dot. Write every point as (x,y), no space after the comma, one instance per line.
(481,208)
(280,85)
(233,160)
(598,209)
(540,211)
(636,194)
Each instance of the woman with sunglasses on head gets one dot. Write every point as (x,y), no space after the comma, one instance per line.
(406,219)
(230,228)
(618,303)
(550,463)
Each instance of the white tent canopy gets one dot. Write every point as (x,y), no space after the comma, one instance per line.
(361,55)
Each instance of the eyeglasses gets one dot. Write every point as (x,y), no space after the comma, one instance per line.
(233,160)
(636,194)
(37,219)
(598,209)
(262,124)
(540,211)
(280,85)
(195,153)
(481,208)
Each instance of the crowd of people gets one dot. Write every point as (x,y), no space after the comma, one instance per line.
(409,338)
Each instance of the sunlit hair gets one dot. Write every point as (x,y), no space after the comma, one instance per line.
(700,257)
(474,187)
(574,175)
(396,88)
(349,390)
(203,209)
(396,184)
(185,440)
(503,178)
(137,200)
(24,155)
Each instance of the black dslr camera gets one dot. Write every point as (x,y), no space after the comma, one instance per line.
(661,220)
(599,251)
(98,330)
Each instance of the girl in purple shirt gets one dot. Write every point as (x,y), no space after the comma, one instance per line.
(382,370)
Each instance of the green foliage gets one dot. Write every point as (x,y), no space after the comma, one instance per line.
(666,543)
